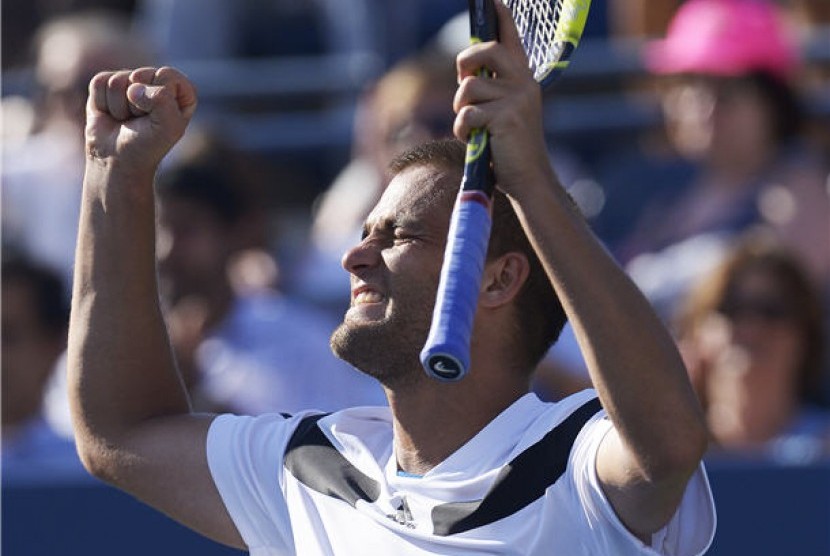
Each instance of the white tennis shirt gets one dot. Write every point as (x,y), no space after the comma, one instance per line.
(314,484)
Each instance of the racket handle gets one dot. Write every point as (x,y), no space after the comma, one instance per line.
(483,21)
(446,355)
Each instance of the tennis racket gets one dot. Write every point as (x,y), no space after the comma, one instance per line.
(550,31)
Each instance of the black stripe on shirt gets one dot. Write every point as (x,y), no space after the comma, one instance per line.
(521,482)
(315,462)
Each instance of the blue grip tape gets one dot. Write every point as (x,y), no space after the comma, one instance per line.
(446,355)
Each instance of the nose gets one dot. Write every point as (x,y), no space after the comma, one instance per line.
(360,257)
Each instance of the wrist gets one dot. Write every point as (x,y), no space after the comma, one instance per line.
(535,183)
(110,172)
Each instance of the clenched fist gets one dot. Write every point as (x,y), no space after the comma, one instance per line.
(135,117)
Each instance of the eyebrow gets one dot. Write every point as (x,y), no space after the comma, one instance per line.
(385,224)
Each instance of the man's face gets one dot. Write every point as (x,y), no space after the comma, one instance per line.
(394,276)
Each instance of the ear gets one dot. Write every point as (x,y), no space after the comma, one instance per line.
(503,279)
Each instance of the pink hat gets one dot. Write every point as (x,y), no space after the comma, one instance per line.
(725,37)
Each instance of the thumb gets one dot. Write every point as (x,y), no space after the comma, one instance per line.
(159,103)
(142,96)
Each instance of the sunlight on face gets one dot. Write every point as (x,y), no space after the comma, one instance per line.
(394,276)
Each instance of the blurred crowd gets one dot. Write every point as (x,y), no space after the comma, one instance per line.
(719,208)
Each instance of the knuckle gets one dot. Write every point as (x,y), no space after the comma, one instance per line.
(116,78)
(462,57)
(457,102)
(459,129)
(467,83)
(142,73)
(99,80)
(101,77)
(467,58)
(466,117)
(465,90)
(166,73)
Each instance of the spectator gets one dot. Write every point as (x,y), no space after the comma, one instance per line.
(35,318)
(201,29)
(42,173)
(21,21)
(751,333)
(239,348)
(733,119)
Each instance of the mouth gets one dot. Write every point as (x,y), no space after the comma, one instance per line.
(368,305)
(366,295)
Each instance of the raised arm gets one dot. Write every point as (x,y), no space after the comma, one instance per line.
(659,434)
(131,413)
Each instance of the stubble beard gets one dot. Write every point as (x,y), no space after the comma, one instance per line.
(387,350)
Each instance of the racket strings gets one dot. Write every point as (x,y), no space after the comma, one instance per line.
(537,22)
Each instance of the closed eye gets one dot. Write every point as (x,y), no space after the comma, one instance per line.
(401,237)
(385,228)
(390,231)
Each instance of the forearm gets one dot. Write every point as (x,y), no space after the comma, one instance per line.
(633,361)
(644,463)
(121,371)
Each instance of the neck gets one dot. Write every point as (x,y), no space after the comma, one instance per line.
(432,419)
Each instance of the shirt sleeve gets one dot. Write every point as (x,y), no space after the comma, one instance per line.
(689,532)
(245,456)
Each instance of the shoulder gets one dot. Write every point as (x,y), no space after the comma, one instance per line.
(284,431)
(554,429)
(354,432)
(689,531)
(263,436)
(553,435)
(341,454)
(571,413)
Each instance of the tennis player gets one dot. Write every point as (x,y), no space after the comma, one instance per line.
(480,466)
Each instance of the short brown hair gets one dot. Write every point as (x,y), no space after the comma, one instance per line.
(539,314)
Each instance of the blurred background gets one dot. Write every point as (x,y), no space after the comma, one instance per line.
(694,135)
